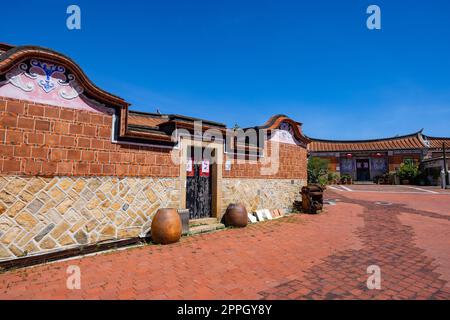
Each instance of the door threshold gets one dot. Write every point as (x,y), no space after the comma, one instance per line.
(202,221)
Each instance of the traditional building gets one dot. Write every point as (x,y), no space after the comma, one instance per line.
(364,160)
(77,167)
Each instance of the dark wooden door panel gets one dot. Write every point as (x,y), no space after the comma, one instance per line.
(362,170)
(198,194)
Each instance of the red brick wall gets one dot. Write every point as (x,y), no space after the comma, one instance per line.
(397,160)
(47,141)
(292,165)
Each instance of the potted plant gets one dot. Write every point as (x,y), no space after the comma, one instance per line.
(333,178)
(394,178)
(346,179)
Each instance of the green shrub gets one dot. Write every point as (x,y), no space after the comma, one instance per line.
(333,177)
(408,171)
(317,168)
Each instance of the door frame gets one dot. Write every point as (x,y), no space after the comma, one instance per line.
(369,167)
(216,173)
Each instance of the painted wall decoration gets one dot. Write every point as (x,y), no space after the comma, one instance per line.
(379,164)
(285,134)
(347,165)
(48,83)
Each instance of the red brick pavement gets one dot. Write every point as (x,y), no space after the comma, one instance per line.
(299,257)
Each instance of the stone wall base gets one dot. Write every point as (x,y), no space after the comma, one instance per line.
(41,215)
(46,215)
(262,193)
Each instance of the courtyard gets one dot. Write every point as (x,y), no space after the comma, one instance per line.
(403,230)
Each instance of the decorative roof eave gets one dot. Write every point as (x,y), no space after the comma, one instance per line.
(412,150)
(413,141)
(16,54)
(412,135)
(190,126)
(435,143)
(275,121)
(5,46)
(148,135)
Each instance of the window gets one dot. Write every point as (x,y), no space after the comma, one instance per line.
(409,161)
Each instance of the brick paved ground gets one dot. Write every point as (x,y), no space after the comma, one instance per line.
(300,257)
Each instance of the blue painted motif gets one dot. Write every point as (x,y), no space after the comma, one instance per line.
(49,69)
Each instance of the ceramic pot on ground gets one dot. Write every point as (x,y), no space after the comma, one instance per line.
(166,226)
(236,216)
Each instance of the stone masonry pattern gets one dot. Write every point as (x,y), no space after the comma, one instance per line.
(262,193)
(39,215)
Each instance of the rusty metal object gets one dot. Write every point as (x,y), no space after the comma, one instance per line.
(236,216)
(184,215)
(312,199)
(166,226)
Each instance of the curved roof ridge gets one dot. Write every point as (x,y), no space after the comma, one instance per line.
(14,54)
(369,140)
(438,138)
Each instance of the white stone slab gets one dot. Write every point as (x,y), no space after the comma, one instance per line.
(267,214)
(260,215)
(252,218)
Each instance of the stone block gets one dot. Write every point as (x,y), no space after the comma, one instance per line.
(16,185)
(31,248)
(44,232)
(47,243)
(15,208)
(35,186)
(57,194)
(128,233)
(66,240)
(9,236)
(35,206)
(60,229)
(64,206)
(26,220)
(65,183)
(7,198)
(16,251)
(109,231)
(4,253)
(81,237)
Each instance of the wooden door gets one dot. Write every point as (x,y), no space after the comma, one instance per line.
(362,170)
(199,189)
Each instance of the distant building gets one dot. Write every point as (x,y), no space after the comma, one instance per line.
(364,160)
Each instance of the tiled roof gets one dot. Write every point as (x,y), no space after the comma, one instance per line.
(407,142)
(436,143)
(134,119)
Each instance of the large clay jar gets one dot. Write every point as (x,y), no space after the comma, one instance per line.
(236,216)
(166,226)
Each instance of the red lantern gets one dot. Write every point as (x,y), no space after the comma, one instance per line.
(349,155)
(378,155)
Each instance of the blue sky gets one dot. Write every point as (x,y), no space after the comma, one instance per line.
(243,61)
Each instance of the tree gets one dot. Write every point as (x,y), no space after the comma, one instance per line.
(317,168)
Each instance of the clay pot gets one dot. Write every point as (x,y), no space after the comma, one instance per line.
(236,216)
(166,226)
